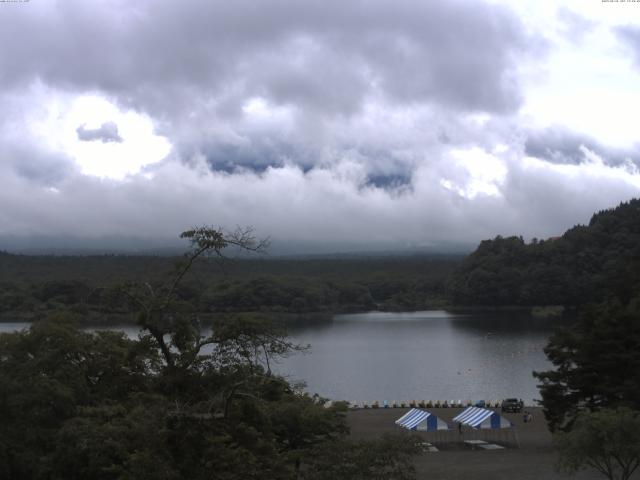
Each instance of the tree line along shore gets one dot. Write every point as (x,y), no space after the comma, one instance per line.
(588,263)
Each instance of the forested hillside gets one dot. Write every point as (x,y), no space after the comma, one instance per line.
(587,264)
(32,286)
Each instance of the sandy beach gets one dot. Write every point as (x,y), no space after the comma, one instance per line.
(534,459)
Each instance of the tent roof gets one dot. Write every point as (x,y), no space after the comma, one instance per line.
(477,417)
(416,419)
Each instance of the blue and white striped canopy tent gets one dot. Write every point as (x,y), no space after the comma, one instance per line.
(477,417)
(421,421)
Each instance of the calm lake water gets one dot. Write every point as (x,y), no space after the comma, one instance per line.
(431,355)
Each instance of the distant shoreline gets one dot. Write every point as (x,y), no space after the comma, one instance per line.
(112,319)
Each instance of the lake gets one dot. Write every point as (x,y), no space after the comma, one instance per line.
(431,355)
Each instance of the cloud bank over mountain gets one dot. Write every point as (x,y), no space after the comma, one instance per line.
(393,123)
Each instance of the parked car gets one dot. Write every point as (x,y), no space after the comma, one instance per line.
(512,405)
(481,403)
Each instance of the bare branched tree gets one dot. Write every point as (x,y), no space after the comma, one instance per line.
(180,339)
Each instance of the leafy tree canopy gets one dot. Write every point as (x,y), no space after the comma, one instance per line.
(586,264)
(607,440)
(181,401)
(597,363)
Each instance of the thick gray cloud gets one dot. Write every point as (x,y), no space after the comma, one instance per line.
(193,67)
(560,145)
(390,123)
(37,165)
(107,132)
(320,205)
(630,35)
(23,156)
(326,55)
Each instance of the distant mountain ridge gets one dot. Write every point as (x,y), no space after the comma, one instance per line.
(279,247)
(586,264)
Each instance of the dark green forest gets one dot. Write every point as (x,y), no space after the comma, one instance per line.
(34,286)
(175,403)
(596,357)
(589,263)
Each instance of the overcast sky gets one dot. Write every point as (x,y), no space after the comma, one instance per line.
(391,123)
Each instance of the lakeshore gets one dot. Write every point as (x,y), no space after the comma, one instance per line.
(533,460)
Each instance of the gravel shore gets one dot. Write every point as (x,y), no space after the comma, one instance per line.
(534,459)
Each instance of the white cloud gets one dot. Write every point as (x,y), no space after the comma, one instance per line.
(408,123)
(58,127)
(485,173)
